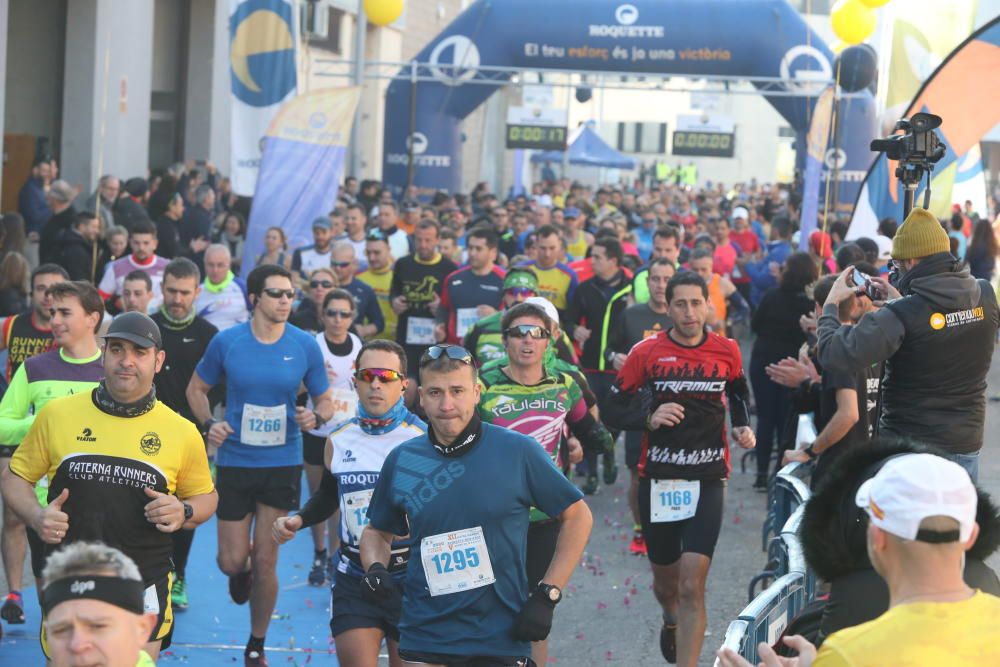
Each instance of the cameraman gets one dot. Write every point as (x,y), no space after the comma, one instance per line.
(936,335)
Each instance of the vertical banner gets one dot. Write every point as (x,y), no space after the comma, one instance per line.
(301,168)
(816,143)
(262,39)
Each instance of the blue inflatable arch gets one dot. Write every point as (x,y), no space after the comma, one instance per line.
(741,39)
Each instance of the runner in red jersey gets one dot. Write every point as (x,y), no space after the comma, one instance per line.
(683,377)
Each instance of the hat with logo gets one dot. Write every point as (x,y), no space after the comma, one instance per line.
(913,487)
(520,277)
(545,305)
(920,235)
(741,213)
(322,222)
(136,328)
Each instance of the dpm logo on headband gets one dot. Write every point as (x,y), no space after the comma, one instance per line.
(81,587)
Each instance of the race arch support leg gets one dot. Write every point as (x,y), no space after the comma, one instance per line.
(436,141)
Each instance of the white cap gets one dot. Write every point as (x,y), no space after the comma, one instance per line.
(884,247)
(913,487)
(545,305)
(741,212)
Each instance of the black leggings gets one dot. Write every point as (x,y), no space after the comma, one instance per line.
(773,403)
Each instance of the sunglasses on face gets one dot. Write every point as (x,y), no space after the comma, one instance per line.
(340,265)
(342,314)
(456,352)
(380,374)
(276,293)
(526,331)
(325,284)
(521,291)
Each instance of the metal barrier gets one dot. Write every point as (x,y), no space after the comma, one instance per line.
(796,555)
(737,635)
(785,493)
(767,616)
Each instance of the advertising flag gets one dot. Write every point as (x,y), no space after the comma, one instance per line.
(301,168)
(262,39)
(816,143)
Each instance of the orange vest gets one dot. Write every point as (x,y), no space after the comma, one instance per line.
(718,301)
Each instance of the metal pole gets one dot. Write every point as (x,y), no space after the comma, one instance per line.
(360,32)
(569,103)
(413,123)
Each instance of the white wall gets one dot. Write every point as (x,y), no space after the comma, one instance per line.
(207,126)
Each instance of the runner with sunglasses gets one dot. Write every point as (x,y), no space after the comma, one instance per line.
(484,338)
(467,600)
(353,457)
(262,364)
(340,348)
(524,395)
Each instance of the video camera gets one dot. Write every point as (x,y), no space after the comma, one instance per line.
(916,151)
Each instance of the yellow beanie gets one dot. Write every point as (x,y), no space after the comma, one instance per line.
(920,235)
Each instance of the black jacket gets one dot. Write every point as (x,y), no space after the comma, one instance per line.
(776,323)
(937,341)
(129,211)
(50,238)
(168,240)
(593,306)
(77,257)
(833,538)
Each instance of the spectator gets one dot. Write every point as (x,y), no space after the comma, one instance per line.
(232,235)
(160,199)
(168,228)
(102,202)
(60,200)
(849,254)
(765,274)
(776,323)
(982,253)
(116,239)
(81,253)
(14,273)
(131,207)
(275,249)
(13,234)
(31,200)
(197,221)
(887,227)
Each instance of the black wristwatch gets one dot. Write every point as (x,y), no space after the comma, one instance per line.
(188,511)
(550,592)
(810,452)
(207,426)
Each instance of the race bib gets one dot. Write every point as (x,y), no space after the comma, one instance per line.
(356,512)
(456,562)
(263,426)
(150,602)
(673,500)
(420,331)
(464,319)
(345,405)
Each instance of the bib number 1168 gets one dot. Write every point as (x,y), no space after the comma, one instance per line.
(451,561)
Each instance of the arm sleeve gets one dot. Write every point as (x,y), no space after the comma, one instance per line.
(383,514)
(621,410)
(875,338)
(15,407)
(322,504)
(210,369)
(738,391)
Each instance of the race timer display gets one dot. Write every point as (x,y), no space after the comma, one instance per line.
(706,144)
(536,137)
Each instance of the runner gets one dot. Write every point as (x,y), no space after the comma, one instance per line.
(723,296)
(690,374)
(472,292)
(340,348)
(75,314)
(143,245)
(185,338)
(308,258)
(259,465)
(354,455)
(467,600)
(122,468)
(527,397)
(369,321)
(137,292)
(666,244)
(556,281)
(484,338)
(29,333)
(639,322)
(378,276)
(222,299)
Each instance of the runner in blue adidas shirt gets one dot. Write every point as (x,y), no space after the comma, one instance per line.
(355,452)
(466,601)
(262,363)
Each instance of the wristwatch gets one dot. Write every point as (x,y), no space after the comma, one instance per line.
(188,511)
(550,592)
(319,420)
(810,452)
(207,426)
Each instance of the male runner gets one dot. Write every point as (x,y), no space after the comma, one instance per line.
(466,596)
(222,299)
(143,244)
(639,322)
(369,321)
(378,276)
(485,338)
(675,386)
(185,338)
(137,292)
(556,280)
(340,348)
(75,315)
(666,245)
(308,258)
(525,396)
(123,468)
(355,453)
(259,465)
(29,333)
(474,291)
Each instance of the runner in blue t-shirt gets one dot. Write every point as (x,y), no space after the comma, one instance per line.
(466,601)
(262,363)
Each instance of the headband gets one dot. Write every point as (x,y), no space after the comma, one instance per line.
(124,593)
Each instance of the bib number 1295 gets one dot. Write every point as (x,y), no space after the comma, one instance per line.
(451,561)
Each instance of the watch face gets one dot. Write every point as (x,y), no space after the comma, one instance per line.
(554,594)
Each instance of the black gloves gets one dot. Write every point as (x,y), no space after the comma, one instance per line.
(535,620)
(377,585)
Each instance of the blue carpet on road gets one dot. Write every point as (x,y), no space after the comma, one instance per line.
(214,630)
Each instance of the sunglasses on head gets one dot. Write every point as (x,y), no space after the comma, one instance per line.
(380,374)
(326,284)
(456,352)
(276,293)
(520,291)
(342,314)
(526,331)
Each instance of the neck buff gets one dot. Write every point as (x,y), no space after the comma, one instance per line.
(215,288)
(177,325)
(107,403)
(124,593)
(465,441)
(373,425)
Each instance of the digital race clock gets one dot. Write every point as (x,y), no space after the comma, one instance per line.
(536,137)
(706,144)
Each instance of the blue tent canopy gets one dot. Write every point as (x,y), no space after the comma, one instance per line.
(589,150)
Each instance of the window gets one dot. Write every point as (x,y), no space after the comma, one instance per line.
(786,132)
(322,25)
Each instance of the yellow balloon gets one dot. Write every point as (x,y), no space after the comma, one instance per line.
(852,21)
(875,3)
(383,12)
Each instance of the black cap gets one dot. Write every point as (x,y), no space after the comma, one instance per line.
(137,187)
(136,328)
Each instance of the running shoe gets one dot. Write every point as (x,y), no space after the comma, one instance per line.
(668,643)
(317,575)
(590,486)
(610,468)
(638,545)
(13,609)
(239,590)
(178,594)
(254,659)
